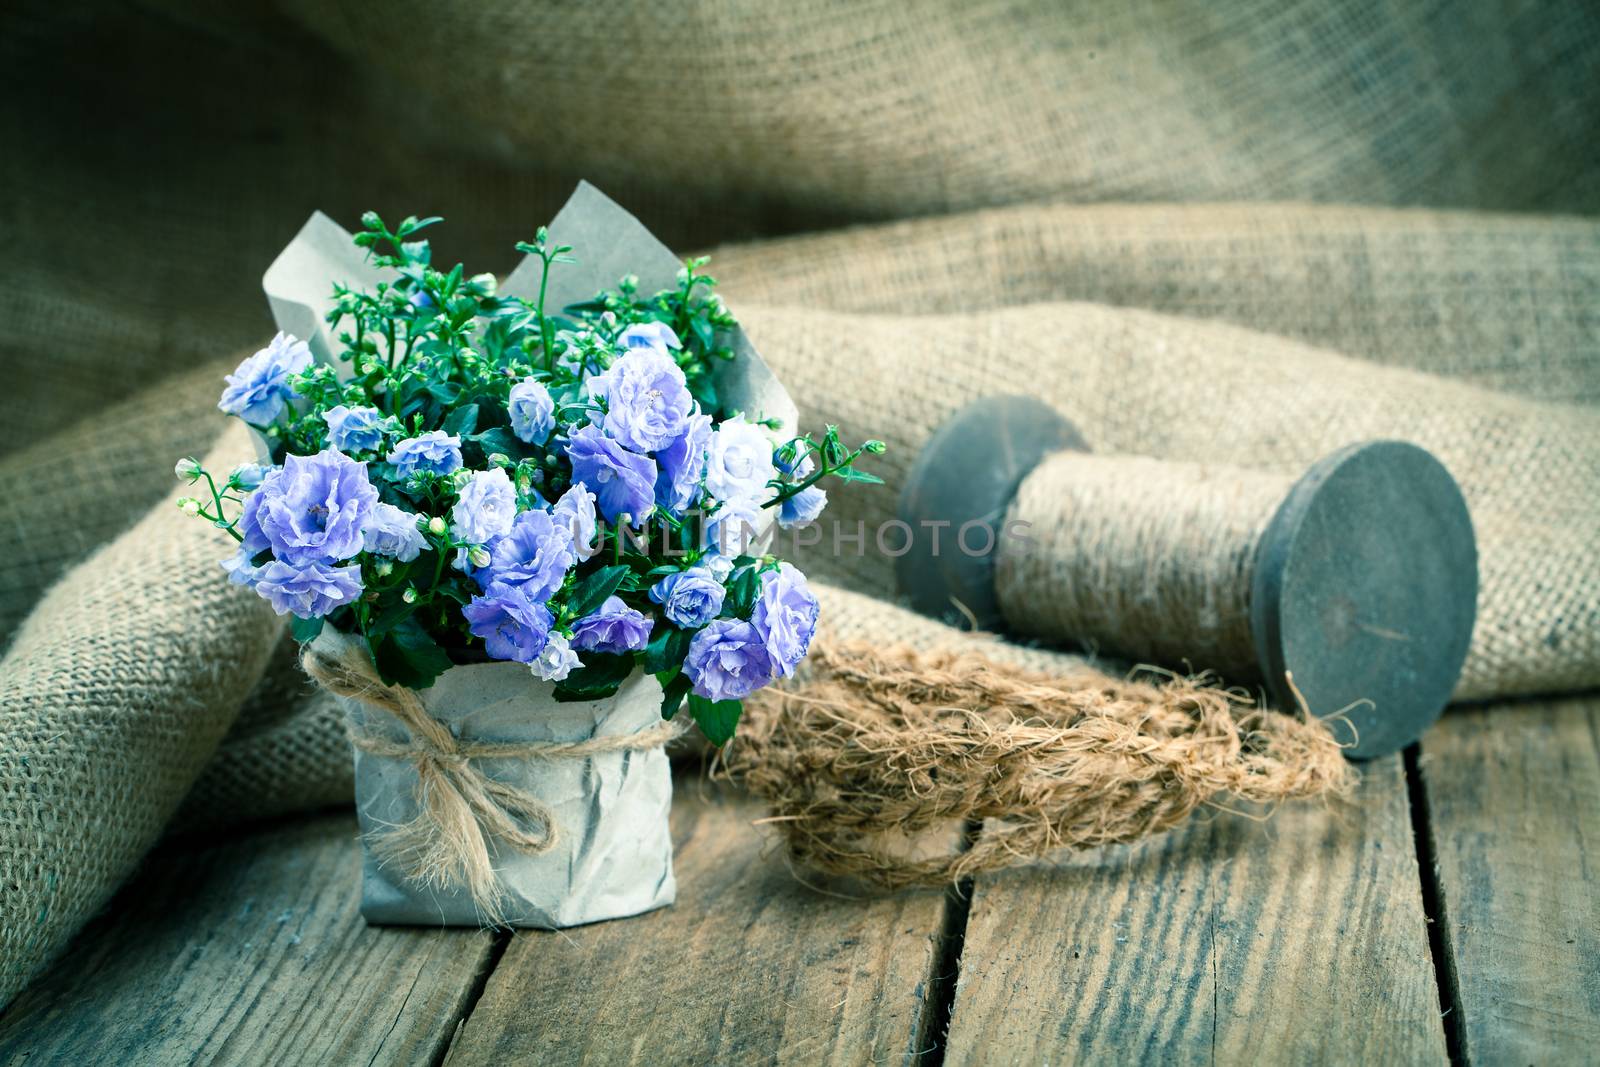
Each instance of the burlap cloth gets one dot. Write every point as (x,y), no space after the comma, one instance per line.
(1083,191)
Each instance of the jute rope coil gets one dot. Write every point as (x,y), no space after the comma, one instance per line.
(1151,557)
(870,749)
(459,807)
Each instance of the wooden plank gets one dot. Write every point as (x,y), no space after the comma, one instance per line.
(248,952)
(749,966)
(1300,939)
(1514,795)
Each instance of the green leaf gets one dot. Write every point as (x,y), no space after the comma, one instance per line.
(445,392)
(702,389)
(717,719)
(462,421)
(392,608)
(742,593)
(305,629)
(674,687)
(500,439)
(408,655)
(666,649)
(592,591)
(702,332)
(850,474)
(599,677)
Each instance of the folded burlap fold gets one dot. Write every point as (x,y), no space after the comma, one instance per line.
(115,694)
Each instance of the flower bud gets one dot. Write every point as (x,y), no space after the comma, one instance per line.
(485,282)
(382,568)
(409,596)
(499,459)
(436,526)
(188,469)
(248,475)
(479,556)
(370,220)
(189,506)
(460,478)
(608,319)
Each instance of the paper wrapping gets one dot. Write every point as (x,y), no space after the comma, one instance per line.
(613,854)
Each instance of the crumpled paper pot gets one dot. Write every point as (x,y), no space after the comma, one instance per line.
(613,853)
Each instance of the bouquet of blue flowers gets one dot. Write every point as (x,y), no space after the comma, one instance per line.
(479,476)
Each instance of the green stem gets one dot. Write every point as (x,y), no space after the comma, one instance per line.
(545,338)
(790,491)
(216,499)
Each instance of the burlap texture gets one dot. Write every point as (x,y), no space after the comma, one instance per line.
(116,693)
(1502,301)
(908,109)
(1066,161)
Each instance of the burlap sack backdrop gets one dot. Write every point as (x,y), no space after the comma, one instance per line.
(156,161)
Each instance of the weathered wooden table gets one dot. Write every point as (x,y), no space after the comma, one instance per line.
(1450,914)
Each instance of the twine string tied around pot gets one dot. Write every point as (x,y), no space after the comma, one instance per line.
(459,806)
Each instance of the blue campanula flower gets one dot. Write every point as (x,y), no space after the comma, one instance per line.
(248,476)
(240,570)
(647,400)
(394,533)
(534,556)
(313,510)
(532,411)
(612,627)
(740,465)
(803,507)
(785,615)
(735,529)
(485,509)
(512,626)
(354,429)
(556,661)
(575,514)
(727,661)
(308,591)
(683,464)
(690,598)
(435,452)
(623,482)
(259,389)
(649,336)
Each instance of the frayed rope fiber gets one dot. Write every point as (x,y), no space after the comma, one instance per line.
(868,748)
(458,806)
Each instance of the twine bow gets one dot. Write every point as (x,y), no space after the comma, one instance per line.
(459,807)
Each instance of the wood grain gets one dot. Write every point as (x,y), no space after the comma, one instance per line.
(248,952)
(1298,940)
(749,966)
(1514,795)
